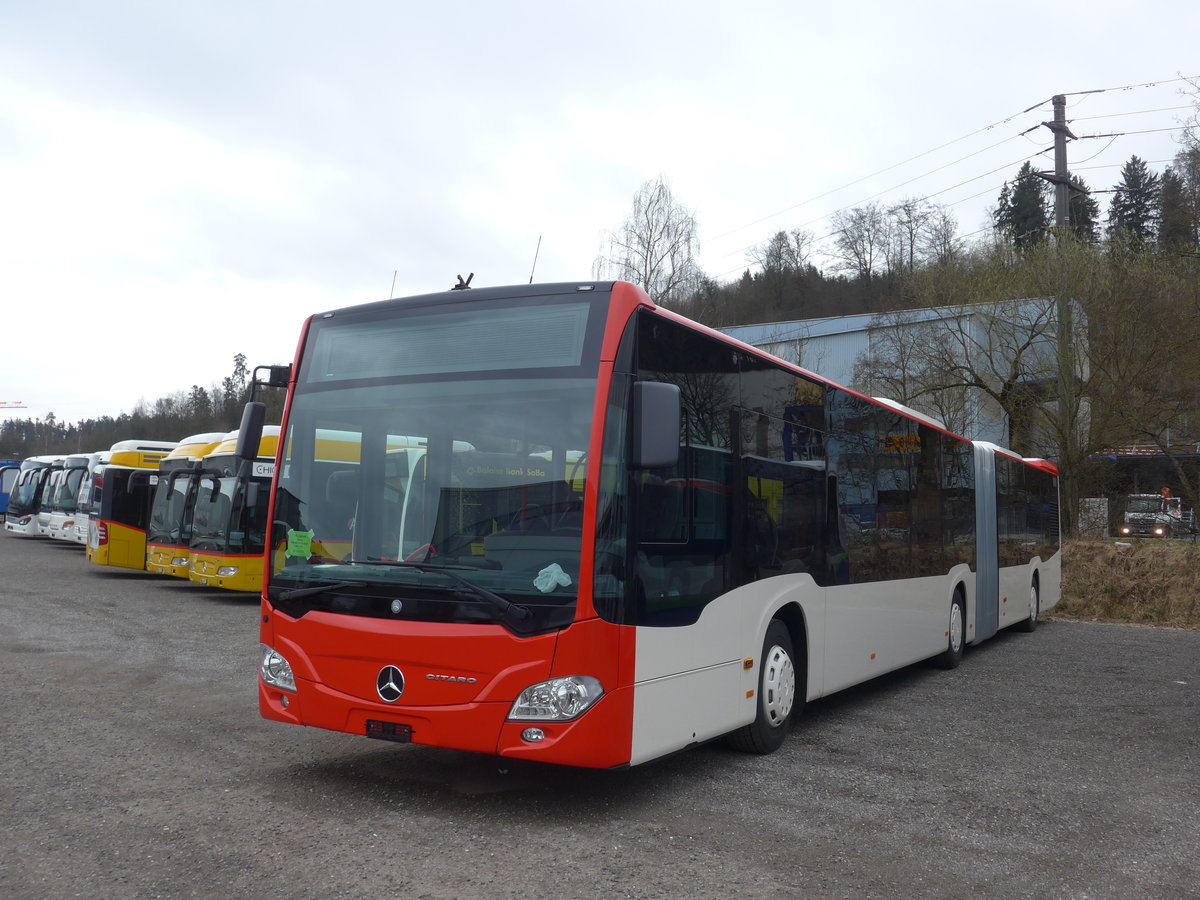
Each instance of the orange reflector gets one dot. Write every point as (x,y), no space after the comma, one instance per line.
(747,663)
(749,694)
(872,656)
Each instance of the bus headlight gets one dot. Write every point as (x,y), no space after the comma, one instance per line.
(180,560)
(226,571)
(558,699)
(276,670)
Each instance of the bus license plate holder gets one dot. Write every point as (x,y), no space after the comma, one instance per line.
(389,731)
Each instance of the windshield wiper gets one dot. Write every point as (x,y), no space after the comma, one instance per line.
(301,593)
(508,608)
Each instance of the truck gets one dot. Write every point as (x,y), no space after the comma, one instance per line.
(1154,515)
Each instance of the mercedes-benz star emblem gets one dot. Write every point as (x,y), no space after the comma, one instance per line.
(389,684)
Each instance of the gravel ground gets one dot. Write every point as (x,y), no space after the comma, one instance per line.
(134,764)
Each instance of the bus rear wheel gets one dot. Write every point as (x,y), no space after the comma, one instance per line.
(1030,622)
(956,635)
(778,699)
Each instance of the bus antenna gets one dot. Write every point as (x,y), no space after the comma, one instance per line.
(535,256)
(463,285)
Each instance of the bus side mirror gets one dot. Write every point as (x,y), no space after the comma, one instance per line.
(250,432)
(655,420)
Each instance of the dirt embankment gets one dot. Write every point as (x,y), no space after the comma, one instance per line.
(1138,581)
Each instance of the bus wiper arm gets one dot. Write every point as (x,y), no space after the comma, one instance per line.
(301,593)
(507,607)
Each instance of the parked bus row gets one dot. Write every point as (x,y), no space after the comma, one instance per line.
(173,508)
(561,523)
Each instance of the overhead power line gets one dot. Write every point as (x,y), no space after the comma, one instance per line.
(1112,137)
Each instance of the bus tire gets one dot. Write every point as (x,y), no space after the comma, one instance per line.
(956,634)
(778,699)
(1030,622)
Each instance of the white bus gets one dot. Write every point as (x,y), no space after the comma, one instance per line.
(29,493)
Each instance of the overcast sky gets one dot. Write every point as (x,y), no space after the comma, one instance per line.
(183,182)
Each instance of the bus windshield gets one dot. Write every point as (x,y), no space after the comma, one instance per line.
(218,522)
(448,495)
(25,492)
(168,520)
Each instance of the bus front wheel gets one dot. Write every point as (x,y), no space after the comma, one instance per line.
(777,695)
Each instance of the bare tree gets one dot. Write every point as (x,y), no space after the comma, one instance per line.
(910,220)
(860,240)
(786,251)
(1190,138)
(994,357)
(940,243)
(656,246)
(901,364)
(781,258)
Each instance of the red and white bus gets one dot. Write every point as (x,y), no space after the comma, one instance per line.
(623,533)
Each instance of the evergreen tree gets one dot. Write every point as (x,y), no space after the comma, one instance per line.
(1132,213)
(1179,204)
(1023,211)
(1084,212)
(1175,221)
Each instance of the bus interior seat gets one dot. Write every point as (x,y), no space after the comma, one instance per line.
(340,502)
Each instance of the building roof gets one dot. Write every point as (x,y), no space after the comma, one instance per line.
(802,329)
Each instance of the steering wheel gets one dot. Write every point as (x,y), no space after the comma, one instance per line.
(422,553)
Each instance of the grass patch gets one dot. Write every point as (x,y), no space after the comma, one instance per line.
(1145,582)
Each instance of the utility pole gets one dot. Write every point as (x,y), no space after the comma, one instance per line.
(1062,180)
(1061,176)
(1068,407)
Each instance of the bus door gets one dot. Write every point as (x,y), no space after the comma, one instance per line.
(8,478)
(987,579)
(117,534)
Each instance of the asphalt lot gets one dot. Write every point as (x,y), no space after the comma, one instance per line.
(133,763)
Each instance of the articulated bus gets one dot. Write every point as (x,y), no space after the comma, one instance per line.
(121,513)
(658,536)
(169,536)
(229,522)
(29,494)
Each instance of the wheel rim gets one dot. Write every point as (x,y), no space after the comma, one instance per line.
(956,629)
(1033,603)
(779,686)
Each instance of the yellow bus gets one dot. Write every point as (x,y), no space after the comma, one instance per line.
(169,536)
(125,487)
(230,515)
